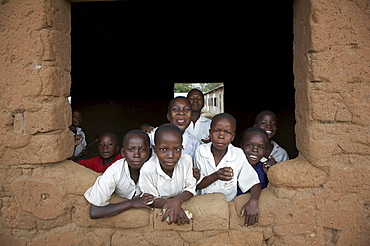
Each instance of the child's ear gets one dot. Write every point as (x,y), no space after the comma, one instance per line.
(255,125)
(168,117)
(123,151)
(117,149)
(155,149)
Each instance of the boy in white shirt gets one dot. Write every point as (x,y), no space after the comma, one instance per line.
(199,125)
(121,177)
(169,174)
(224,167)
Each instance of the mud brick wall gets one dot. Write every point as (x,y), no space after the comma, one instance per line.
(320,198)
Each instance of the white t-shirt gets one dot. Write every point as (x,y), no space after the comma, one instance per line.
(79,148)
(189,142)
(155,181)
(278,152)
(117,179)
(201,128)
(244,174)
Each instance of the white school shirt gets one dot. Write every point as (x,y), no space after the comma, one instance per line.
(201,128)
(79,148)
(116,179)
(244,174)
(189,142)
(278,152)
(155,181)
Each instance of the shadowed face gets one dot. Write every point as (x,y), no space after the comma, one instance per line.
(268,123)
(107,146)
(197,100)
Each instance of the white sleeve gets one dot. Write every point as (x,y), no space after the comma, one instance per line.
(147,183)
(247,177)
(100,193)
(190,181)
(197,164)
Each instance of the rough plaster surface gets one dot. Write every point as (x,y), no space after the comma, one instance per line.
(320,198)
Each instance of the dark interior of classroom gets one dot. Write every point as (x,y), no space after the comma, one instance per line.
(127,55)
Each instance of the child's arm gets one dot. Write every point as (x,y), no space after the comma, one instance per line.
(225,174)
(173,208)
(250,209)
(109,210)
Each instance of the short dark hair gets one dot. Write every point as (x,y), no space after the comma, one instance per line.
(109,134)
(224,116)
(254,130)
(138,133)
(195,89)
(174,99)
(168,127)
(258,117)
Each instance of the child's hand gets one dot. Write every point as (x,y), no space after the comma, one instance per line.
(196,173)
(269,163)
(174,212)
(225,173)
(143,201)
(251,212)
(78,139)
(147,128)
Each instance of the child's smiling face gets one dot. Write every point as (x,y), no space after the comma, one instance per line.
(136,151)
(179,113)
(222,133)
(107,146)
(268,123)
(168,148)
(254,147)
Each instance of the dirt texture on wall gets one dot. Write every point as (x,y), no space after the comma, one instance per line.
(320,198)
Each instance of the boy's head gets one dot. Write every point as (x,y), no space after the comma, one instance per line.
(179,112)
(76,118)
(136,148)
(107,145)
(254,143)
(222,130)
(267,121)
(168,146)
(196,99)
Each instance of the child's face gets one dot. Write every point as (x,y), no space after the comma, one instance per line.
(254,147)
(76,118)
(268,123)
(168,149)
(180,113)
(107,146)
(196,100)
(222,133)
(136,151)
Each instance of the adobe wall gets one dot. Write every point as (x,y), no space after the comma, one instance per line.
(320,198)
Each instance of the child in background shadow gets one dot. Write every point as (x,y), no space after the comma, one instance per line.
(80,139)
(254,143)
(168,175)
(199,125)
(122,178)
(224,168)
(108,153)
(267,121)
